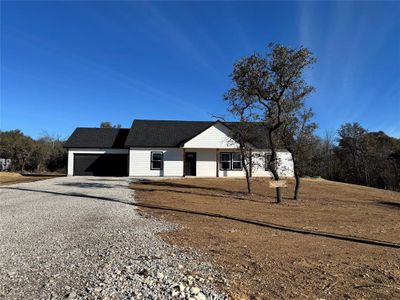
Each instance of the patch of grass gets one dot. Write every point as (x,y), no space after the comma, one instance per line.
(7,178)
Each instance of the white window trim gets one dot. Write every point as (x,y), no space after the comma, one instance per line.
(152,160)
(237,161)
(231,161)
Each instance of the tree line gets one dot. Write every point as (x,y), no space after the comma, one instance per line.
(357,156)
(45,154)
(269,91)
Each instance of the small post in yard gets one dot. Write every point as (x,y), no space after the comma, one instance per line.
(277,184)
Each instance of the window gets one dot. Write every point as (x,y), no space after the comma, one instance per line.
(225,159)
(156,162)
(236,161)
(267,159)
(230,161)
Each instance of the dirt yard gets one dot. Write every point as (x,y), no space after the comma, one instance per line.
(265,263)
(11,178)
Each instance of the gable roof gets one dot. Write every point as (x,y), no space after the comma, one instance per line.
(257,133)
(97,138)
(158,133)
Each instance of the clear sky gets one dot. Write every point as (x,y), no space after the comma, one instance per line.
(70,64)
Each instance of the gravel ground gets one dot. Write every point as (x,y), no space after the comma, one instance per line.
(80,238)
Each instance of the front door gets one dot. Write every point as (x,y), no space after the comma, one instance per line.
(190,164)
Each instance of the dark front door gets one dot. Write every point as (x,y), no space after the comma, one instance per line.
(190,164)
(101,164)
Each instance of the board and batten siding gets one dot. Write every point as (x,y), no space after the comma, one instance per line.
(140,158)
(73,151)
(214,137)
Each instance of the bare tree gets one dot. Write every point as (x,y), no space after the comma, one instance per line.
(242,135)
(266,84)
(297,136)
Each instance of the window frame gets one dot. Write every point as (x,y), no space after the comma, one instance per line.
(267,160)
(236,161)
(231,161)
(152,160)
(221,161)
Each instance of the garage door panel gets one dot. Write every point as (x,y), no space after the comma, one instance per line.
(101,164)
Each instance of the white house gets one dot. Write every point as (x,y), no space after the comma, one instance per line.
(166,148)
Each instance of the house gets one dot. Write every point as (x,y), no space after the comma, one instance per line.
(167,148)
(5,164)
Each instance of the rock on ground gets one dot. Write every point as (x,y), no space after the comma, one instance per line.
(81,238)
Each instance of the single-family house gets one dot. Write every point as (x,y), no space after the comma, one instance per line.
(153,148)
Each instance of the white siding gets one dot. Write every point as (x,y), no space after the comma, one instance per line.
(139,162)
(72,151)
(285,168)
(215,137)
(229,173)
(206,164)
(259,164)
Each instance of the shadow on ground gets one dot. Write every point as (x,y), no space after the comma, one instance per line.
(91,185)
(215,191)
(187,186)
(390,204)
(231,218)
(215,195)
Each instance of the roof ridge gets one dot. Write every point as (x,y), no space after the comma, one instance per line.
(153,120)
(102,128)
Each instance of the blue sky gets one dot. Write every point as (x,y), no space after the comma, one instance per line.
(69,64)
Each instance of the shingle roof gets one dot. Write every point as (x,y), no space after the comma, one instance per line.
(157,133)
(97,138)
(257,134)
(154,133)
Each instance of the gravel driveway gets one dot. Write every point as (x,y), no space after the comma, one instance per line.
(81,237)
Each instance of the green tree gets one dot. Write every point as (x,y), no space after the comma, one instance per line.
(19,148)
(45,154)
(106,124)
(352,151)
(269,85)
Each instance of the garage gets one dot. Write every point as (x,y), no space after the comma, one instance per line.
(100,164)
(98,152)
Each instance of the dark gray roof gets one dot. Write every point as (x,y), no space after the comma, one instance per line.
(156,133)
(257,133)
(97,138)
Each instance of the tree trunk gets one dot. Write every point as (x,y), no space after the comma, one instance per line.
(246,169)
(248,180)
(296,174)
(278,189)
(297,185)
(278,195)
(272,166)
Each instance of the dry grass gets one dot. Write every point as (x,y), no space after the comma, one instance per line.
(266,263)
(7,178)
